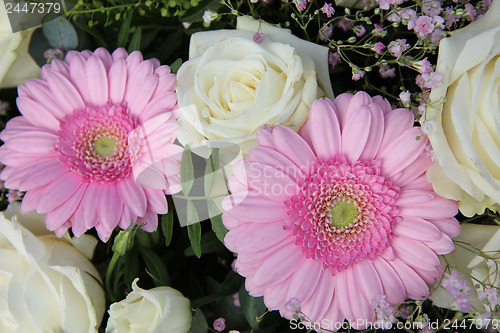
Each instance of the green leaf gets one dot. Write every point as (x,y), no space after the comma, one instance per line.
(131,269)
(38,45)
(194,229)
(124,31)
(216,220)
(135,42)
(92,32)
(209,243)
(61,34)
(155,266)
(167,222)
(199,322)
(212,171)
(231,283)
(187,171)
(176,65)
(253,307)
(168,46)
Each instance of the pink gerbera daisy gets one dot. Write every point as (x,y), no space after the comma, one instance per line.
(339,214)
(94,145)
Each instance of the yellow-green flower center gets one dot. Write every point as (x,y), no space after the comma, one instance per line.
(343,214)
(105,146)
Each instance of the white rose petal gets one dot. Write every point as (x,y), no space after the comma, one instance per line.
(232,85)
(466,142)
(158,310)
(46,284)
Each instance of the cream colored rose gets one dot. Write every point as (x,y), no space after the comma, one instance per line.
(46,284)
(474,267)
(466,143)
(16,64)
(232,85)
(158,310)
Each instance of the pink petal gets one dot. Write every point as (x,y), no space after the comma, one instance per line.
(110,207)
(269,182)
(32,142)
(318,304)
(258,209)
(342,102)
(78,75)
(396,123)
(265,136)
(37,114)
(105,57)
(411,197)
(149,221)
(276,160)
(429,276)
(376,133)
(40,92)
(416,288)
(414,253)
(413,171)
(290,144)
(143,94)
(401,152)
(417,229)
(158,105)
(30,200)
(274,297)
(119,53)
(117,81)
(133,196)
(57,192)
(262,236)
(367,280)
(67,95)
(157,202)
(97,81)
(442,246)
(437,208)
(393,286)
(45,172)
(355,132)
(325,129)
(57,217)
(360,307)
(278,266)
(449,226)
(304,281)
(89,208)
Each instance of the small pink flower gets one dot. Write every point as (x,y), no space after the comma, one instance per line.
(470,12)
(301,5)
(258,38)
(209,16)
(292,305)
(430,80)
(344,24)
(327,31)
(429,127)
(359,30)
(378,30)
(379,47)
(334,59)
(423,66)
(220,324)
(14,195)
(386,71)
(405,97)
(449,18)
(357,75)
(397,47)
(328,9)
(431,7)
(423,26)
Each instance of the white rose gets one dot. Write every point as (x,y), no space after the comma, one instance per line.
(232,85)
(475,268)
(158,310)
(466,143)
(16,64)
(46,284)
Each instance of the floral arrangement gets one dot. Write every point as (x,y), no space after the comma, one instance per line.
(250,166)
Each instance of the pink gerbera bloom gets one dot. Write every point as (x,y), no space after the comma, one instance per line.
(94,145)
(340,214)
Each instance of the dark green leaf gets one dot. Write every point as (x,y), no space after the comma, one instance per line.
(231,283)
(187,171)
(168,46)
(194,228)
(92,32)
(216,220)
(212,171)
(135,42)
(209,244)
(38,45)
(176,65)
(131,268)
(199,323)
(61,34)
(253,307)
(124,31)
(155,266)
(167,222)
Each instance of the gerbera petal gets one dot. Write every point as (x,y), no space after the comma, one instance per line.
(304,281)
(45,173)
(117,81)
(396,122)
(278,266)
(37,114)
(417,229)
(449,226)
(291,145)
(376,133)
(269,211)
(276,297)
(367,280)
(143,94)
(264,236)
(360,307)
(318,304)
(437,208)
(68,96)
(394,288)
(157,201)
(325,129)
(105,57)
(415,286)
(97,81)
(57,192)
(414,253)
(278,161)
(442,246)
(110,207)
(57,217)
(133,196)
(355,133)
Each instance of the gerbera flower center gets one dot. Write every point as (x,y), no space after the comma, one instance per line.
(94,143)
(105,146)
(344,213)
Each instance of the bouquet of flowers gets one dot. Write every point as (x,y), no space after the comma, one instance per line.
(250,166)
